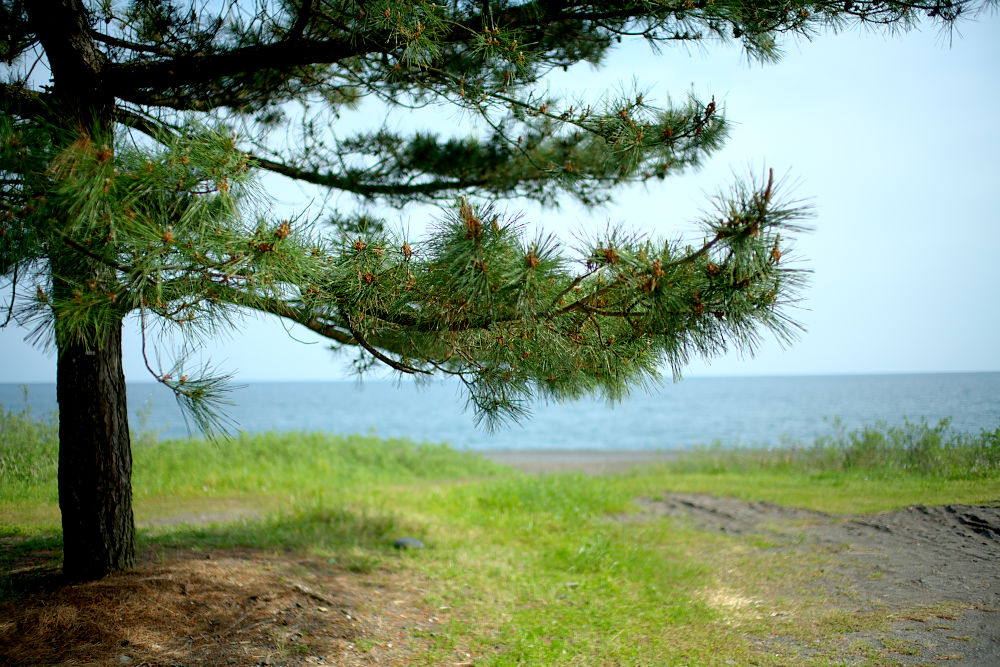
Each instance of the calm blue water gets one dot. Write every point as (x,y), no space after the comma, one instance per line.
(735,411)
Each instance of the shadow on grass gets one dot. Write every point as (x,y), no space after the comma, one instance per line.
(29,565)
(355,539)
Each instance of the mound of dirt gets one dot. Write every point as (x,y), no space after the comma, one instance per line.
(918,558)
(223,608)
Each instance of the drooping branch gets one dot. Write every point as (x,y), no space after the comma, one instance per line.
(286,310)
(391,363)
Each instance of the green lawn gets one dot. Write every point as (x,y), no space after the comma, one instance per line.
(534,570)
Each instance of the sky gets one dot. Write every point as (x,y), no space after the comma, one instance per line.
(893,140)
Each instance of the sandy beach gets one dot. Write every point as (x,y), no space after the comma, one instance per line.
(589,461)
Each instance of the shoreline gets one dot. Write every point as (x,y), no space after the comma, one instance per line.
(589,461)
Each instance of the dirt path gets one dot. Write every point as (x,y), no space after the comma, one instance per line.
(936,570)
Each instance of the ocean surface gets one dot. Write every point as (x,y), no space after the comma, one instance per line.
(732,411)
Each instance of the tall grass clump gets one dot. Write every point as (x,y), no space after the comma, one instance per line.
(246,463)
(298,462)
(29,450)
(914,449)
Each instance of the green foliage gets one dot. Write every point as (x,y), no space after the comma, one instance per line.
(564,499)
(512,317)
(880,450)
(128,185)
(915,448)
(28,454)
(138,196)
(304,465)
(301,464)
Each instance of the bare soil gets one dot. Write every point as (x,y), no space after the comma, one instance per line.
(221,608)
(928,577)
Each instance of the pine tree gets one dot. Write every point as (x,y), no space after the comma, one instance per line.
(129,185)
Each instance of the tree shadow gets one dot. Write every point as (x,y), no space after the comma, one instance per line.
(29,565)
(356,539)
(211,593)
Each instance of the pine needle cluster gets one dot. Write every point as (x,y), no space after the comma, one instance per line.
(151,204)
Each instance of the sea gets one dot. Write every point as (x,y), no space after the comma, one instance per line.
(726,411)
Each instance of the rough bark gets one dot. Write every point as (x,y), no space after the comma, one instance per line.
(95,458)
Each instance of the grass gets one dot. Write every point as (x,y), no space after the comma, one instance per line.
(534,569)
(565,583)
(878,451)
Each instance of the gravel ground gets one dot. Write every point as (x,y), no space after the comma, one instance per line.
(933,572)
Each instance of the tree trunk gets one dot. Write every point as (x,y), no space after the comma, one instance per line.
(95,455)
(95,458)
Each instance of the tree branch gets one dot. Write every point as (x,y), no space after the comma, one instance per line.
(131,46)
(383,358)
(23,102)
(13,297)
(128,79)
(329,179)
(145,124)
(285,310)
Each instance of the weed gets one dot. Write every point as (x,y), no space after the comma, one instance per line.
(879,450)
(28,454)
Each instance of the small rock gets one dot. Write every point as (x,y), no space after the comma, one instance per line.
(124,659)
(408,543)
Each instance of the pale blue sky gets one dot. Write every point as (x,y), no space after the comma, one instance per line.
(894,140)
